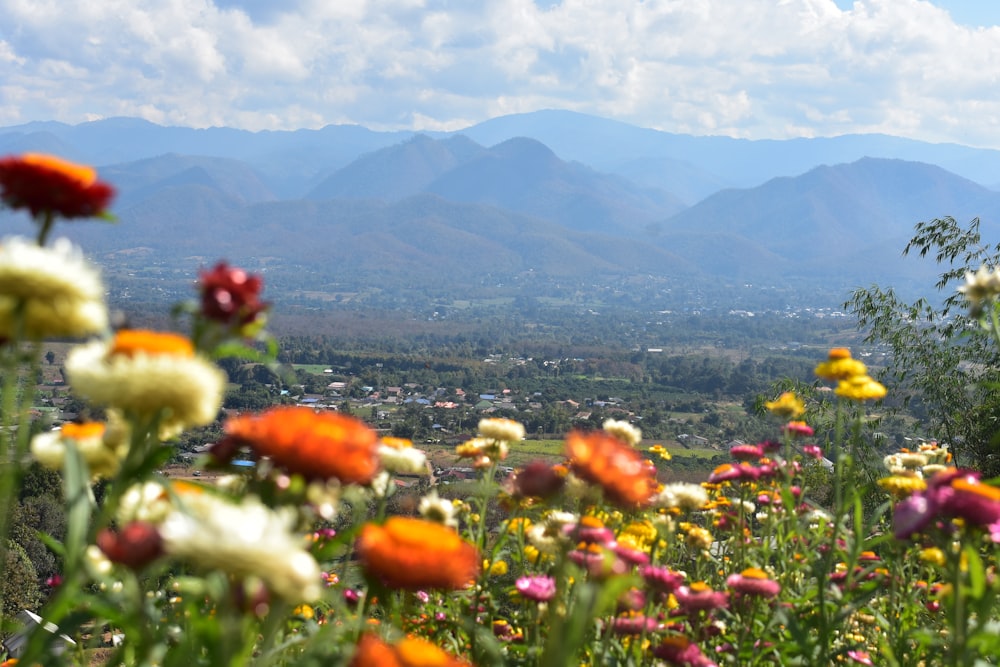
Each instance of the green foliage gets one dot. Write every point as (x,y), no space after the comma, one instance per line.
(19,588)
(941,364)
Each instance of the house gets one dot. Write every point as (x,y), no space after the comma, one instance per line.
(28,621)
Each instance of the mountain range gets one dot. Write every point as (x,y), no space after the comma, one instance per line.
(535,198)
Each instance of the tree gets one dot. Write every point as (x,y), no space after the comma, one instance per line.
(20,583)
(940,357)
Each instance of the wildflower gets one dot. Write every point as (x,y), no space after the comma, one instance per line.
(681,495)
(699,538)
(44,184)
(787,406)
(413,554)
(812,451)
(230,295)
(398,455)
(661,579)
(860,657)
(247,539)
(633,624)
(136,545)
(622,430)
(436,509)
(148,374)
(501,429)
(620,470)
(484,450)
(902,486)
(860,388)
(798,429)
(746,452)
(408,652)
(591,530)
(538,479)
(49,291)
(504,631)
(840,366)
(954,494)
(678,650)
(317,446)
(661,451)
(753,582)
(933,556)
(103,455)
(538,588)
(495,569)
(699,597)
(983,285)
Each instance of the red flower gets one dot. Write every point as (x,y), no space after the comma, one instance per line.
(318,446)
(135,546)
(46,184)
(621,471)
(231,295)
(413,554)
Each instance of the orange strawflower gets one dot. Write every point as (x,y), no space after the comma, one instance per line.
(47,184)
(627,479)
(315,445)
(414,554)
(409,652)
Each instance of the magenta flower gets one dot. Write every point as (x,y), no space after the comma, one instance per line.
(633,625)
(746,452)
(681,652)
(812,451)
(753,582)
(699,597)
(538,588)
(661,579)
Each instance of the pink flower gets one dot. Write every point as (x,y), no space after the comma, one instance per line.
(753,582)
(798,429)
(812,451)
(860,657)
(746,452)
(699,597)
(681,652)
(538,588)
(661,579)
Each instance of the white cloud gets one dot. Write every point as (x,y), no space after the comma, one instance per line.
(754,68)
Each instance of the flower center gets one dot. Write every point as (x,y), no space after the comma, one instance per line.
(83,431)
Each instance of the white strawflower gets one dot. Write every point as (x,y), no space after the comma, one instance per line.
(144,372)
(624,431)
(53,289)
(247,540)
(980,286)
(102,454)
(501,429)
(439,510)
(402,460)
(149,502)
(681,495)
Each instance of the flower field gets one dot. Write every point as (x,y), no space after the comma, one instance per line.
(588,561)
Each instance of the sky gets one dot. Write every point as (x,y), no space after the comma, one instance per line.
(923,69)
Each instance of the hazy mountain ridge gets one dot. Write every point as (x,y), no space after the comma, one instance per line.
(396,209)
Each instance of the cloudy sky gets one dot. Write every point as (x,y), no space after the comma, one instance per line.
(925,69)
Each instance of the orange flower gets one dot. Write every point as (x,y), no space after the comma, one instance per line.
(413,554)
(409,652)
(621,471)
(46,184)
(318,446)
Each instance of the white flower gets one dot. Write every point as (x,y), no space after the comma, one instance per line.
(103,454)
(623,431)
(403,460)
(61,293)
(149,502)
(980,286)
(434,508)
(501,429)
(683,496)
(187,388)
(247,540)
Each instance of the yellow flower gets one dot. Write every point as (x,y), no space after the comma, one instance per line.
(48,292)
(787,406)
(860,388)
(496,568)
(699,538)
(933,556)
(660,451)
(840,366)
(902,486)
(148,373)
